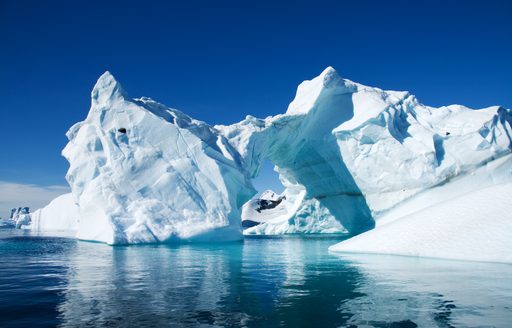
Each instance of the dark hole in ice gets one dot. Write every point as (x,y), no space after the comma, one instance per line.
(122,130)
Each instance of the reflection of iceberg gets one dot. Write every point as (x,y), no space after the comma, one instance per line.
(141,284)
(430,293)
(278,281)
(222,285)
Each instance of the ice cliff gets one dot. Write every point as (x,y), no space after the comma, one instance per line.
(351,157)
(141,172)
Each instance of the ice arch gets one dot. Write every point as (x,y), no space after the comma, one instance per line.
(362,154)
(301,145)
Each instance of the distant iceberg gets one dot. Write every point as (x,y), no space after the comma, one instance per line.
(351,158)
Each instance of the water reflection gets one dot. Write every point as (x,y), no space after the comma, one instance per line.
(262,282)
(429,293)
(144,285)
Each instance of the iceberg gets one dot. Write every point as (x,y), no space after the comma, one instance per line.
(356,153)
(351,158)
(141,172)
(259,210)
(321,193)
(18,218)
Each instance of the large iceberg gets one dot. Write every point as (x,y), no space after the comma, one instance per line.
(351,158)
(321,193)
(141,172)
(355,152)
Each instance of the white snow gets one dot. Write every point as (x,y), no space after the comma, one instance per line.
(476,226)
(467,218)
(61,214)
(254,211)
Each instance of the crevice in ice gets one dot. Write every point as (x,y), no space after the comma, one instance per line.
(439,148)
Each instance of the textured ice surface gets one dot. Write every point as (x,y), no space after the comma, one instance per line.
(351,157)
(466,219)
(355,152)
(476,226)
(142,173)
(296,216)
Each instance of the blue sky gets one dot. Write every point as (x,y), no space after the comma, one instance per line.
(221,60)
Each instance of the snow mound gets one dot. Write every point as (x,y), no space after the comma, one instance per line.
(259,210)
(61,214)
(476,226)
(143,173)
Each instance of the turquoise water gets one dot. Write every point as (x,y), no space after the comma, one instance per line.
(261,282)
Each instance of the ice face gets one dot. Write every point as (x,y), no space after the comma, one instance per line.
(408,147)
(143,173)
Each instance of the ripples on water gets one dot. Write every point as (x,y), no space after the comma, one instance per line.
(261,282)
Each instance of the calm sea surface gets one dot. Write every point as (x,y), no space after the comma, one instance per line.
(261,282)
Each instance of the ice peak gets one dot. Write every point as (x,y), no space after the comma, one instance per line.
(330,77)
(107,89)
(309,90)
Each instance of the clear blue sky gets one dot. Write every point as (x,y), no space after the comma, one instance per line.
(221,60)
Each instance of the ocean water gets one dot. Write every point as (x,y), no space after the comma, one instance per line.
(262,282)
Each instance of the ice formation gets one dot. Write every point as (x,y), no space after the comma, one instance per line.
(264,208)
(301,145)
(465,219)
(273,214)
(61,214)
(143,173)
(355,152)
(351,157)
(18,218)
